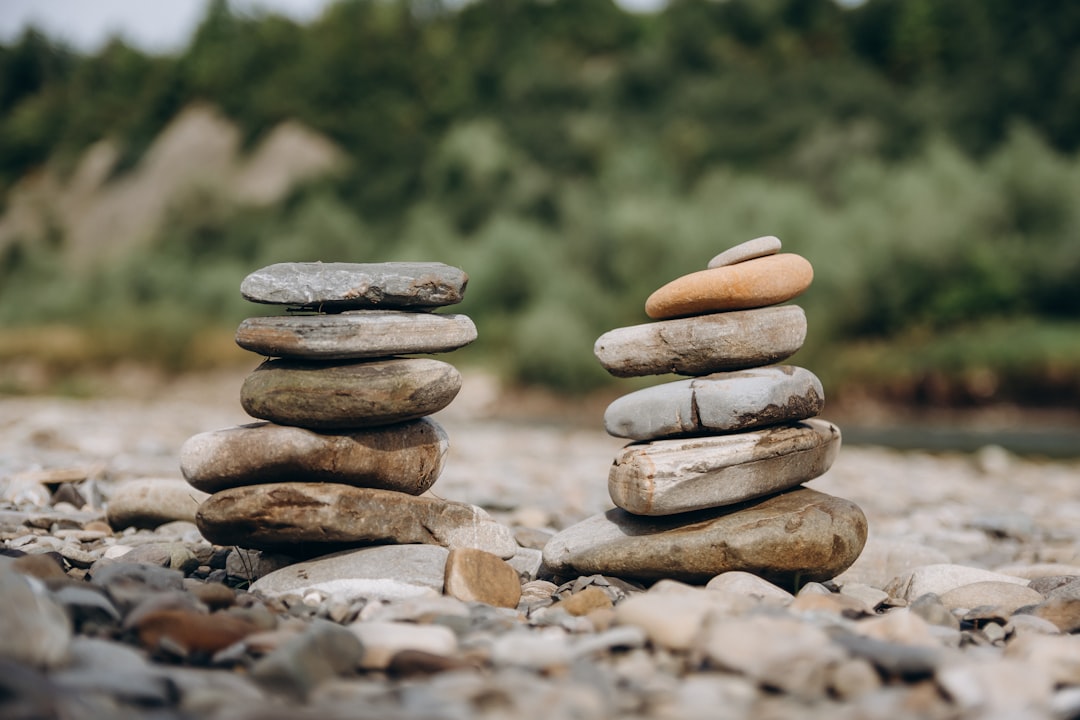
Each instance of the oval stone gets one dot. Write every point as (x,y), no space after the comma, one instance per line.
(703,344)
(405,457)
(798,536)
(758,247)
(355,334)
(318,517)
(675,476)
(353,395)
(344,286)
(723,402)
(754,283)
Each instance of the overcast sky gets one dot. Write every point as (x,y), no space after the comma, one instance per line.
(152,25)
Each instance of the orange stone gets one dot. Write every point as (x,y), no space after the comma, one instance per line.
(751,284)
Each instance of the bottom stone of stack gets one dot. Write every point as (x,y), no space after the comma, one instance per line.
(315,518)
(794,537)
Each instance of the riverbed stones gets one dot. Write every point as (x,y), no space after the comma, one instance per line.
(714,482)
(348,448)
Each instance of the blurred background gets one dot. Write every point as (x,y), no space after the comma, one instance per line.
(570,155)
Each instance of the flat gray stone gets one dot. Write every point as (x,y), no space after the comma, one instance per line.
(675,476)
(387,572)
(350,395)
(704,344)
(405,457)
(356,286)
(723,402)
(798,536)
(758,247)
(306,516)
(150,502)
(355,334)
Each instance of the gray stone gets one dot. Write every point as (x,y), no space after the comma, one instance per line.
(406,457)
(884,559)
(129,584)
(892,659)
(383,572)
(341,286)
(383,639)
(942,578)
(98,666)
(321,652)
(149,502)
(704,344)
(674,476)
(1005,596)
(355,334)
(349,395)
(758,247)
(34,630)
(253,564)
(723,402)
(288,516)
(797,536)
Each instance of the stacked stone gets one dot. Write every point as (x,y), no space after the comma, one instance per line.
(714,481)
(347,446)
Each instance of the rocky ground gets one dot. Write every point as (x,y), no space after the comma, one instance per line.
(961,606)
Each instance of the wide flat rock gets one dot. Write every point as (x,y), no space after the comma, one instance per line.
(703,344)
(389,572)
(404,457)
(676,476)
(723,402)
(302,517)
(356,286)
(798,536)
(758,247)
(750,284)
(350,395)
(355,334)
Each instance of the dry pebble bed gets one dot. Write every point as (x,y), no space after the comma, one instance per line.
(962,605)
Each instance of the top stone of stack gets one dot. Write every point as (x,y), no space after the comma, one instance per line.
(334,287)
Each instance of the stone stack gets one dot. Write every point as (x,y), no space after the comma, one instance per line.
(347,447)
(713,482)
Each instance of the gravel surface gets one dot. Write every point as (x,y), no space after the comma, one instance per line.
(962,604)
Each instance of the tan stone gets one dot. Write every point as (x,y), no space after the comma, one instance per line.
(405,457)
(478,576)
(754,283)
(349,395)
(584,602)
(319,517)
(758,247)
(796,536)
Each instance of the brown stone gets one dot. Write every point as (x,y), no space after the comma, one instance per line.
(349,395)
(309,518)
(584,602)
(478,576)
(754,283)
(192,631)
(798,536)
(405,457)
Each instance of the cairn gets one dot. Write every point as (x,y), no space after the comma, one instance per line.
(346,447)
(713,481)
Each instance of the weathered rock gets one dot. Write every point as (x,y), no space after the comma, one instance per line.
(940,579)
(800,535)
(1006,596)
(477,576)
(355,334)
(288,516)
(149,502)
(703,344)
(722,402)
(405,457)
(758,247)
(751,284)
(383,640)
(744,584)
(386,571)
(343,286)
(674,476)
(350,395)
(34,630)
